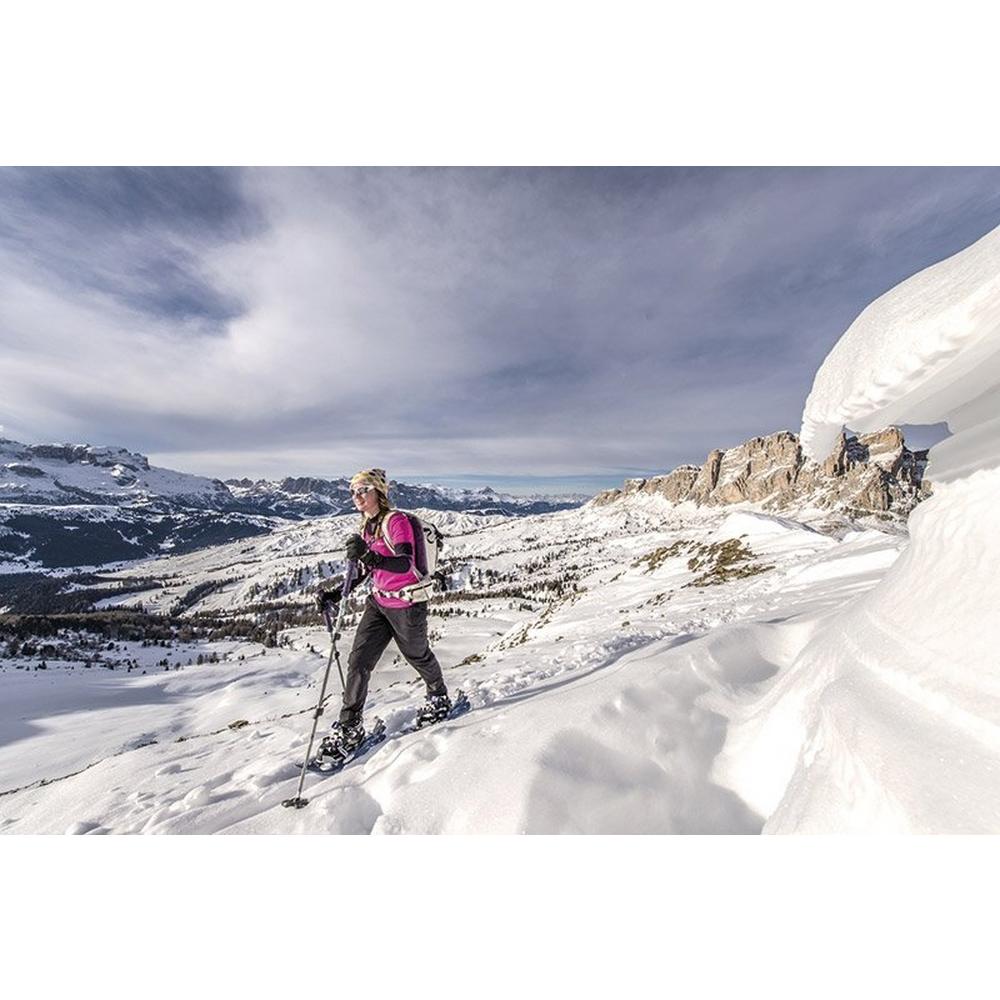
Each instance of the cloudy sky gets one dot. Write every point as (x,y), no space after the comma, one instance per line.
(555,329)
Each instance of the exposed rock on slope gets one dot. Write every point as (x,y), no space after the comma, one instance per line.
(874,474)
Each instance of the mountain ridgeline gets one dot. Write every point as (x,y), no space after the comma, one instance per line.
(77,505)
(296,498)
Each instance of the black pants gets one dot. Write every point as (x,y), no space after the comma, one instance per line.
(408,626)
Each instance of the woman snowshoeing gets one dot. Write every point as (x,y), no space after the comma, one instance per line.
(384,551)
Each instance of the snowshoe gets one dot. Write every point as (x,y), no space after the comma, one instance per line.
(438,707)
(343,738)
(434,709)
(344,744)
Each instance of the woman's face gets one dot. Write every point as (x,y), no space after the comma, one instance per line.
(365,500)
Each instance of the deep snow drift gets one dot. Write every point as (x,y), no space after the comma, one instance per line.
(888,718)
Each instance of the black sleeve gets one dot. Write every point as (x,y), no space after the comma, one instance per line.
(402,562)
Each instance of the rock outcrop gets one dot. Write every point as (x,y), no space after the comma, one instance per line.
(84,454)
(873,474)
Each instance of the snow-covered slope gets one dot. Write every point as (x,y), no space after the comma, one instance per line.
(632,668)
(889,719)
(77,505)
(65,474)
(588,641)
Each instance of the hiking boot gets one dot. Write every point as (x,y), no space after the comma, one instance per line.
(343,738)
(434,709)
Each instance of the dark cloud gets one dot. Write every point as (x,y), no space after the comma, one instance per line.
(104,201)
(134,234)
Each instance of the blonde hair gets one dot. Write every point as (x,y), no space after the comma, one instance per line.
(378,479)
(383,508)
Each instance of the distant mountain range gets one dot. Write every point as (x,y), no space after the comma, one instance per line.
(77,505)
(309,497)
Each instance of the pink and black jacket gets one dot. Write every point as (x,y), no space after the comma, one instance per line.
(392,569)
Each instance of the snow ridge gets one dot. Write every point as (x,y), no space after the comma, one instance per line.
(889,718)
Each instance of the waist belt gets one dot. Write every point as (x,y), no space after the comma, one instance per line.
(414,592)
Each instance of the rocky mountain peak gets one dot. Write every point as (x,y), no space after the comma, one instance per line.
(870,474)
(85,454)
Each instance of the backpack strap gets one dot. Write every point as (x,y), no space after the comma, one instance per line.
(383,529)
(421,589)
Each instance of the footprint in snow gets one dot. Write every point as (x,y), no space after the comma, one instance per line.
(85,826)
(351,810)
(282,772)
(419,762)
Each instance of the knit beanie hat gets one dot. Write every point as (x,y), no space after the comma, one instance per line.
(372,477)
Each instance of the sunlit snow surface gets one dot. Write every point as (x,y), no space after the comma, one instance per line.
(926,351)
(604,713)
(888,719)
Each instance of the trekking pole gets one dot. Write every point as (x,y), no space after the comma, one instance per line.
(334,629)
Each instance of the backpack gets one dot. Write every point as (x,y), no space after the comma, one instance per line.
(427,542)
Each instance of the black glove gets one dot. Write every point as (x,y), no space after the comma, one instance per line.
(371,559)
(325,598)
(355,547)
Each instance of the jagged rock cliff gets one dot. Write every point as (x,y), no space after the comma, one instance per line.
(874,474)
